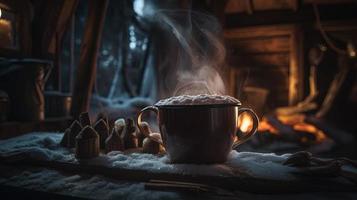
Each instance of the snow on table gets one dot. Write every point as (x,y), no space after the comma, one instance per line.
(45,146)
(93,187)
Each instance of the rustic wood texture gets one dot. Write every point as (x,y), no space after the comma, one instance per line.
(261,45)
(271,57)
(263,61)
(303,14)
(250,6)
(296,72)
(88,57)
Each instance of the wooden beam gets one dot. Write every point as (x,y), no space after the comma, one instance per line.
(249,6)
(50,22)
(63,23)
(88,57)
(304,14)
(296,79)
(45,20)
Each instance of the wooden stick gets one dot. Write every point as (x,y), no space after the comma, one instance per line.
(335,86)
(174,187)
(202,187)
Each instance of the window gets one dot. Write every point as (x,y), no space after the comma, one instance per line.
(125,68)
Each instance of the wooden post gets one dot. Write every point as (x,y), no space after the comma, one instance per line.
(296,66)
(88,57)
(72,54)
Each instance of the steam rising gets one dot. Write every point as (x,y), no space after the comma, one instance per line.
(191,53)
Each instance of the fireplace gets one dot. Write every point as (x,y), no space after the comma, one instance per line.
(296,82)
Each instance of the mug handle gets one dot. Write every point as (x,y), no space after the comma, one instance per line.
(138,122)
(248,135)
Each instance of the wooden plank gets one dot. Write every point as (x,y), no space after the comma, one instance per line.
(269,79)
(260,60)
(250,6)
(234,6)
(293,58)
(328,1)
(259,31)
(260,5)
(304,14)
(338,25)
(261,81)
(88,57)
(274,80)
(260,45)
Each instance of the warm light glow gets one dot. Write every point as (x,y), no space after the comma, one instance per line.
(0,12)
(297,122)
(245,122)
(291,119)
(351,50)
(265,126)
(309,128)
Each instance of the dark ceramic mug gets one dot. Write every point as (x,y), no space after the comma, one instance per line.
(199,133)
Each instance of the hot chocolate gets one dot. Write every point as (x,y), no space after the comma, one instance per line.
(202,99)
(199,128)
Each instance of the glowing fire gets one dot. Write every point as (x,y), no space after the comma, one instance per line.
(297,122)
(308,128)
(265,126)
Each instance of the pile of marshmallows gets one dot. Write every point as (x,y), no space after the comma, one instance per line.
(89,140)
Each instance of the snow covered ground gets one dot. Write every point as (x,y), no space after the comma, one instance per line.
(45,146)
(96,187)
